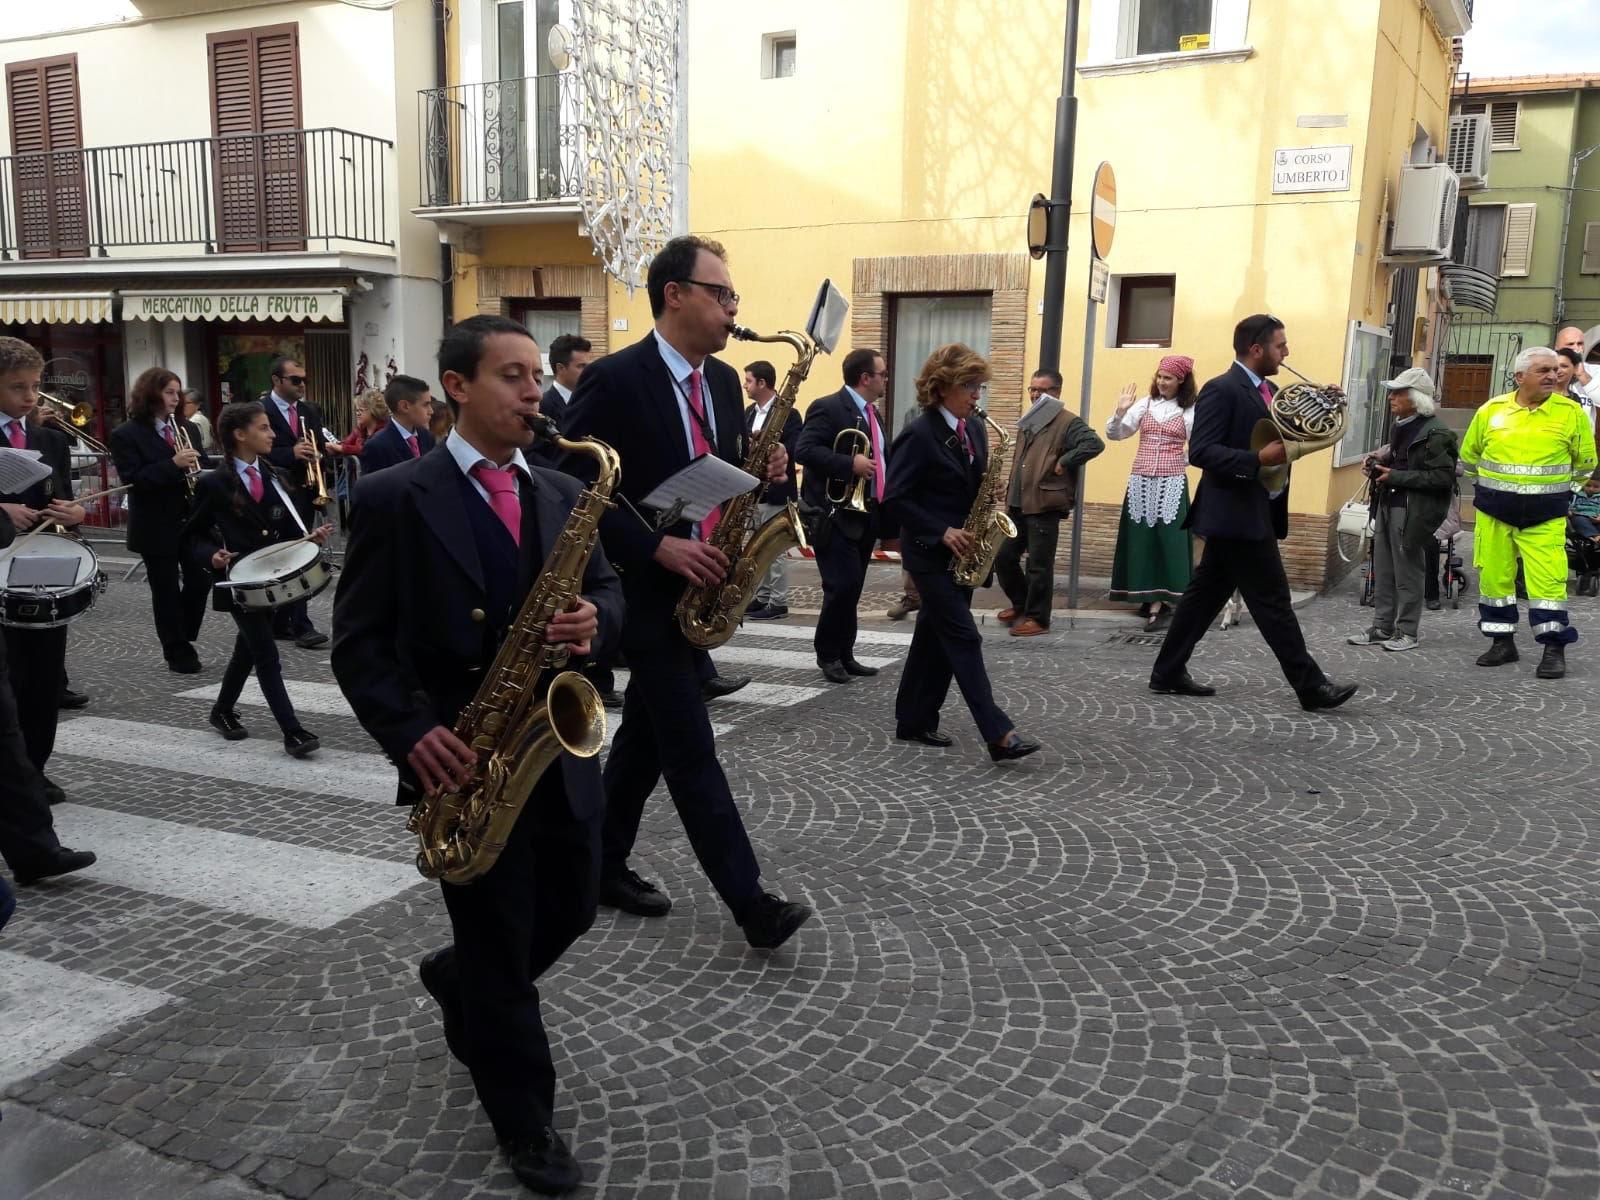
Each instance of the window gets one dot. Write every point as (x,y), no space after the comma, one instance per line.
(1126,35)
(547,320)
(778,55)
(1368,351)
(1143,314)
(1591,249)
(1486,230)
(48,179)
(1168,26)
(1517,256)
(261,181)
(1503,118)
(921,324)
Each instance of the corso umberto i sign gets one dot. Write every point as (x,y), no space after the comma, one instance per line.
(1311,169)
(321,305)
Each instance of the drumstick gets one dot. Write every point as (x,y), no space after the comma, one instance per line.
(40,527)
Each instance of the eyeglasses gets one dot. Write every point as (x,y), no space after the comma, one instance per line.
(297,380)
(725,295)
(1033,391)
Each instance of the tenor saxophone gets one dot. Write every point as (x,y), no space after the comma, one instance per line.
(709,614)
(516,726)
(988,523)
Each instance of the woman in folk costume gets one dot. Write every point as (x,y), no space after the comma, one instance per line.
(1155,552)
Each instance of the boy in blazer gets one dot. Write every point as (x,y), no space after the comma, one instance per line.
(443,550)
(406,435)
(1242,524)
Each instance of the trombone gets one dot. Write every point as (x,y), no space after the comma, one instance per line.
(853,497)
(71,419)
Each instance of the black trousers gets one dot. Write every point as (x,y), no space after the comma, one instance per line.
(38,662)
(946,644)
(178,596)
(1030,590)
(666,734)
(253,648)
(510,926)
(292,620)
(27,834)
(1255,568)
(842,564)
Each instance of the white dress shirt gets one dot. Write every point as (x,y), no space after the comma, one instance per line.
(761,414)
(468,456)
(410,435)
(268,479)
(679,368)
(1163,411)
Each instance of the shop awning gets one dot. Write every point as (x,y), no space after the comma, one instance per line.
(287,303)
(54,308)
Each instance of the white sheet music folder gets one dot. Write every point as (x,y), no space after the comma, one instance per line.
(700,487)
(21,469)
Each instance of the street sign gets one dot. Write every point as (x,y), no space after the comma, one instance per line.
(1103,209)
(1099,273)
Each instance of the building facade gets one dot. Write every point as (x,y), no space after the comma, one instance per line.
(204,186)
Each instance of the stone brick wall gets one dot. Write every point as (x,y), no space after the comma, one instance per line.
(498,286)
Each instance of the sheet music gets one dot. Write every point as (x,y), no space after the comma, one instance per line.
(21,469)
(701,486)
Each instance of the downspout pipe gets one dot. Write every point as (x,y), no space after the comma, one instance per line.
(447,262)
(1566,232)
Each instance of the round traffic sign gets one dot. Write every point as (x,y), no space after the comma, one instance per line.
(1103,209)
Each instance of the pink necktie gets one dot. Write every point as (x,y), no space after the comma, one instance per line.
(254,478)
(416,451)
(18,438)
(503,498)
(697,435)
(961,433)
(877,453)
(1266,393)
(294,419)
(166,432)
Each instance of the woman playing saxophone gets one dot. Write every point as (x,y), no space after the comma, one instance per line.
(939,486)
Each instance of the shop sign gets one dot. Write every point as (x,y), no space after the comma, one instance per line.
(324,304)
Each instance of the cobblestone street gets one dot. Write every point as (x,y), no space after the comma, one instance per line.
(1193,949)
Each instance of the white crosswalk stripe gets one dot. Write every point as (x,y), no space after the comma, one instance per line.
(789,660)
(805,633)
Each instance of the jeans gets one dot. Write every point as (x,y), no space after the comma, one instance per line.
(1031,591)
(1585,526)
(254,647)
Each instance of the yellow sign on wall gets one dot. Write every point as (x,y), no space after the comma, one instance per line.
(1195,41)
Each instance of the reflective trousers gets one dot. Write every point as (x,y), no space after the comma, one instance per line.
(1496,547)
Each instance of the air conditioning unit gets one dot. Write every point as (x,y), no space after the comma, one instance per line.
(1425,217)
(1468,153)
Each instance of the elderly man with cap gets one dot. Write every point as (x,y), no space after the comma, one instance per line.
(1413,478)
(1527,449)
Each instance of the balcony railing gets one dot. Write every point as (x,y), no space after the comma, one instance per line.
(510,141)
(293,190)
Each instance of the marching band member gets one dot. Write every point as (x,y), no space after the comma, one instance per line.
(38,656)
(771,601)
(406,435)
(239,509)
(660,403)
(844,538)
(936,466)
(294,420)
(144,449)
(443,550)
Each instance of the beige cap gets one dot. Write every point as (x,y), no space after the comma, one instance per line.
(1412,378)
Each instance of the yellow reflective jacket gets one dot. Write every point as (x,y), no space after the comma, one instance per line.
(1525,461)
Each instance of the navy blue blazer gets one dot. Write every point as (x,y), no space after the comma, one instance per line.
(778,493)
(56,452)
(1230,501)
(159,503)
(410,643)
(931,485)
(224,517)
(629,401)
(290,469)
(827,417)
(387,448)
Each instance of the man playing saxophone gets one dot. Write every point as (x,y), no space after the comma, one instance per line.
(443,549)
(937,480)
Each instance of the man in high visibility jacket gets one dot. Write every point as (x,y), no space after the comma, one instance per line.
(1527,449)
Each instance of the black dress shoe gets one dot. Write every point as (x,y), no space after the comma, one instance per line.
(311,639)
(769,612)
(184,666)
(72,699)
(834,672)
(1554,663)
(855,668)
(611,699)
(928,737)
(1016,747)
(53,793)
(228,725)
(61,862)
(771,921)
(543,1163)
(1327,694)
(723,685)
(1183,685)
(1503,650)
(437,981)
(632,893)
(300,742)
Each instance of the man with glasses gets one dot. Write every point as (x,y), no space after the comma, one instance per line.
(660,403)
(841,443)
(293,417)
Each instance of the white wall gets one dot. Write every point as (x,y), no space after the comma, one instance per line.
(399,318)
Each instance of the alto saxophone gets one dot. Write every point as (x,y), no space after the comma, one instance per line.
(987,522)
(516,728)
(709,614)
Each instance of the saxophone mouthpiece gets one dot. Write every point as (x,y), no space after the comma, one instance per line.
(542,426)
(743,332)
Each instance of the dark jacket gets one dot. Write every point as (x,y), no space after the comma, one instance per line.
(158,506)
(778,493)
(1429,480)
(826,467)
(1065,440)
(291,470)
(410,643)
(224,517)
(1230,501)
(56,451)
(387,448)
(931,486)
(629,401)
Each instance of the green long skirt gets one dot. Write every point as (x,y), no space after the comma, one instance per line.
(1152,562)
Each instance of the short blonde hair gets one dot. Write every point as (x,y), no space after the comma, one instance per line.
(372,400)
(949,367)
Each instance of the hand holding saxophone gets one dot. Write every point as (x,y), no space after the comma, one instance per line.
(699,562)
(778,464)
(960,542)
(442,760)
(576,628)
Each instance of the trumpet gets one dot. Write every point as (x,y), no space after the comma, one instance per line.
(71,419)
(180,443)
(854,497)
(314,478)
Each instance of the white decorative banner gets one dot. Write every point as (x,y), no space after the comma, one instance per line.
(285,304)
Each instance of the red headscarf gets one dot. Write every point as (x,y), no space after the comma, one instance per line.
(1177,364)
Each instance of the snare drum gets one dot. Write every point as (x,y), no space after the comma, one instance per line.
(275,576)
(50,581)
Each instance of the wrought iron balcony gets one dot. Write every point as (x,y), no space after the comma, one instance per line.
(505,142)
(292,190)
